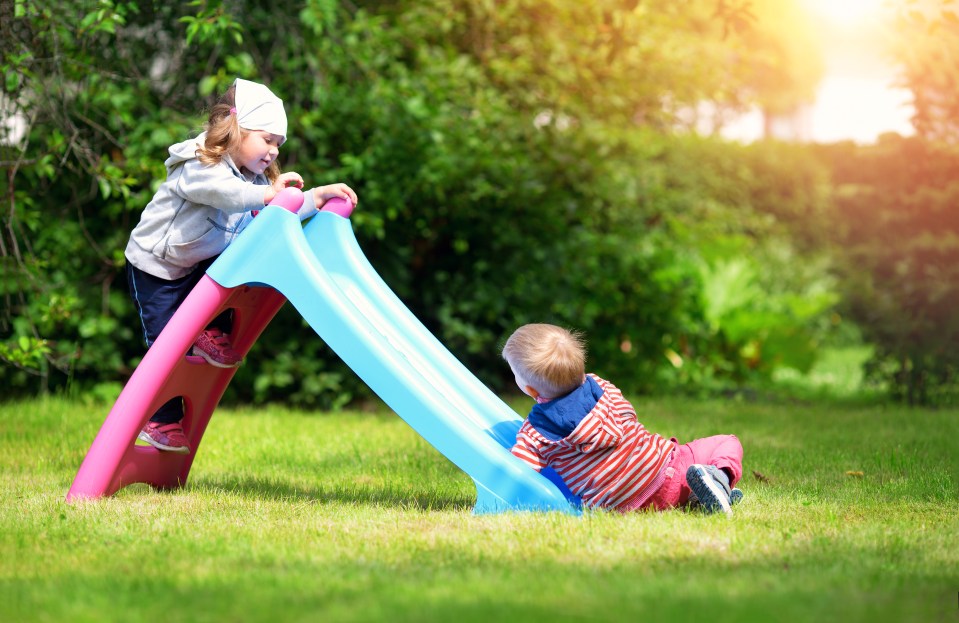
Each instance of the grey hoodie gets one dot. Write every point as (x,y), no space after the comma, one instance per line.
(197,211)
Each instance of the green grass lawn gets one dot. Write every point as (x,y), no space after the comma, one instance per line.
(292,516)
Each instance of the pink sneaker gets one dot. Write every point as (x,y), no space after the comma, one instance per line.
(214,346)
(169,437)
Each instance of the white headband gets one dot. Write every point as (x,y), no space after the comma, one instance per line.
(257,108)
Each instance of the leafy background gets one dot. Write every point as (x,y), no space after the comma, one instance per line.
(517,161)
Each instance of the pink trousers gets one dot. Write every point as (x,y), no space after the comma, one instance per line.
(723,451)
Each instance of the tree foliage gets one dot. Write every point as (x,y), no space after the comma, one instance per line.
(927,50)
(516,161)
(897,229)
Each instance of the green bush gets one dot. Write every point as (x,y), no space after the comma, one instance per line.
(762,295)
(897,231)
(492,193)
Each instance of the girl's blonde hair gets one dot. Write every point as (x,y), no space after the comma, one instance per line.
(550,358)
(224,134)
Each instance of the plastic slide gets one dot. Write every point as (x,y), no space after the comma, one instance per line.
(333,243)
(327,278)
(321,270)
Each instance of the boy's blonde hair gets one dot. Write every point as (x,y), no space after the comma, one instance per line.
(224,134)
(550,358)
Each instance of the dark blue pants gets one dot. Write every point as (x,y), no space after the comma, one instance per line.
(156,301)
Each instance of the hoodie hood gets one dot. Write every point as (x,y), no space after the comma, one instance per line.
(559,418)
(584,418)
(185,150)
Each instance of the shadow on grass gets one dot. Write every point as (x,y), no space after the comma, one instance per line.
(374,495)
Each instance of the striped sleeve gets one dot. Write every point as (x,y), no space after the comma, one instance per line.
(527,449)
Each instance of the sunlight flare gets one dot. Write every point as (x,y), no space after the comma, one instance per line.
(846,13)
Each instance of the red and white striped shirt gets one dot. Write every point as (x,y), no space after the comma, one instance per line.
(608,459)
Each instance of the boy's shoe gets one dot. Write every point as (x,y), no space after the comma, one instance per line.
(169,437)
(712,493)
(214,346)
(735,496)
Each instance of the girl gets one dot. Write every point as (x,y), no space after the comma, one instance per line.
(215,184)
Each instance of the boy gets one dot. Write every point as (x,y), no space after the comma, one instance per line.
(585,429)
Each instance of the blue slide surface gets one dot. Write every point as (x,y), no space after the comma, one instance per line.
(324,274)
